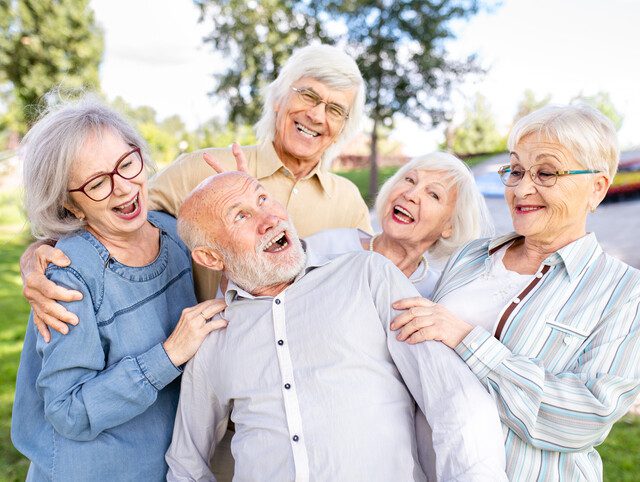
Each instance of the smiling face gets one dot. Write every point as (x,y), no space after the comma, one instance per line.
(551,215)
(122,213)
(419,208)
(303,132)
(258,246)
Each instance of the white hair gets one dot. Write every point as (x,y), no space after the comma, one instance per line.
(326,64)
(49,151)
(587,133)
(470,218)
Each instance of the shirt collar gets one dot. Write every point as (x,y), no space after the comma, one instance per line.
(575,256)
(314,260)
(269,162)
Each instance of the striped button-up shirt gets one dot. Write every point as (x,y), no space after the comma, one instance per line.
(564,363)
(323,391)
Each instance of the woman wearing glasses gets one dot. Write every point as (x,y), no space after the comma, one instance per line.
(545,319)
(99,403)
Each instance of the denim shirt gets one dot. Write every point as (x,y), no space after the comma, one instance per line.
(99,403)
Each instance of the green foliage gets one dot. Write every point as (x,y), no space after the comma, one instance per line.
(478,133)
(360,177)
(602,101)
(44,45)
(216,134)
(169,138)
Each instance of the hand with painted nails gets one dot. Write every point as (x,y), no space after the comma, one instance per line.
(42,294)
(425,320)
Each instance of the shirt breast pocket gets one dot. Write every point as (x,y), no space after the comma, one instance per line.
(563,344)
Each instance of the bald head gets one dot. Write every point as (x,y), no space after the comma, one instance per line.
(201,214)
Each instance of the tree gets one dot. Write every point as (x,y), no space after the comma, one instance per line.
(44,45)
(602,101)
(478,133)
(398,45)
(256,37)
(530,103)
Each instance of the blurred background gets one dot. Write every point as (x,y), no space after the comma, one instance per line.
(452,74)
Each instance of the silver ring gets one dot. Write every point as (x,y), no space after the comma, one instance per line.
(204,317)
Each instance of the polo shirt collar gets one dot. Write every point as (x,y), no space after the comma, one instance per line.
(268,163)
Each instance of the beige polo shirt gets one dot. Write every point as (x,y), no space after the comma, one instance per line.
(320,200)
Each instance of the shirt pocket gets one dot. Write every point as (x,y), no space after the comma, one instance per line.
(563,344)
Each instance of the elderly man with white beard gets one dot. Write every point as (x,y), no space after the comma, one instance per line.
(321,388)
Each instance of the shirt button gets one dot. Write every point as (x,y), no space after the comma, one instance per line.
(295,438)
(516,300)
(287,386)
(295,190)
(277,301)
(538,275)
(280,342)
(566,340)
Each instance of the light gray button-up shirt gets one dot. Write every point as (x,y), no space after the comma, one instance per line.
(322,390)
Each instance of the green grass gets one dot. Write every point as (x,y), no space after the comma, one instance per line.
(620,452)
(14,312)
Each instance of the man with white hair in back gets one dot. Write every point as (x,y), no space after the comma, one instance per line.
(320,386)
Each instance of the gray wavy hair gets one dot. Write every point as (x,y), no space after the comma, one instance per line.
(326,64)
(470,218)
(49,151)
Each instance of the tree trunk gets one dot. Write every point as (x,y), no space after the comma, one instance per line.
(373,163)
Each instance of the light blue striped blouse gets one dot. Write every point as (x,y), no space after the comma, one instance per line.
(566,363)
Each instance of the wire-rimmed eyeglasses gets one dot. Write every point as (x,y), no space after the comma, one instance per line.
(540,175)
(312,99)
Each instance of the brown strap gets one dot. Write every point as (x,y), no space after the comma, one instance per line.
(520,297)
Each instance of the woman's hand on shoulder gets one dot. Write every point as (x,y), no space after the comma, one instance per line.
(194,325)
(43,294)
(424,320)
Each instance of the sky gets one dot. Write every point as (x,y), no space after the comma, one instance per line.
(154,55)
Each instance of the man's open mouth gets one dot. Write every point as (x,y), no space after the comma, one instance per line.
(305,130)
(277,243)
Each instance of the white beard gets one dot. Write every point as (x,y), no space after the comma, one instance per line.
(255,270)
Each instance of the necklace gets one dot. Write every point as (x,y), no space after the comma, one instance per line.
(423,262)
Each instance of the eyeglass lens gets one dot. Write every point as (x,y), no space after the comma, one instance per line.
(101,187)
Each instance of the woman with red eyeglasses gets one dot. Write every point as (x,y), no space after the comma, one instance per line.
(98,403)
